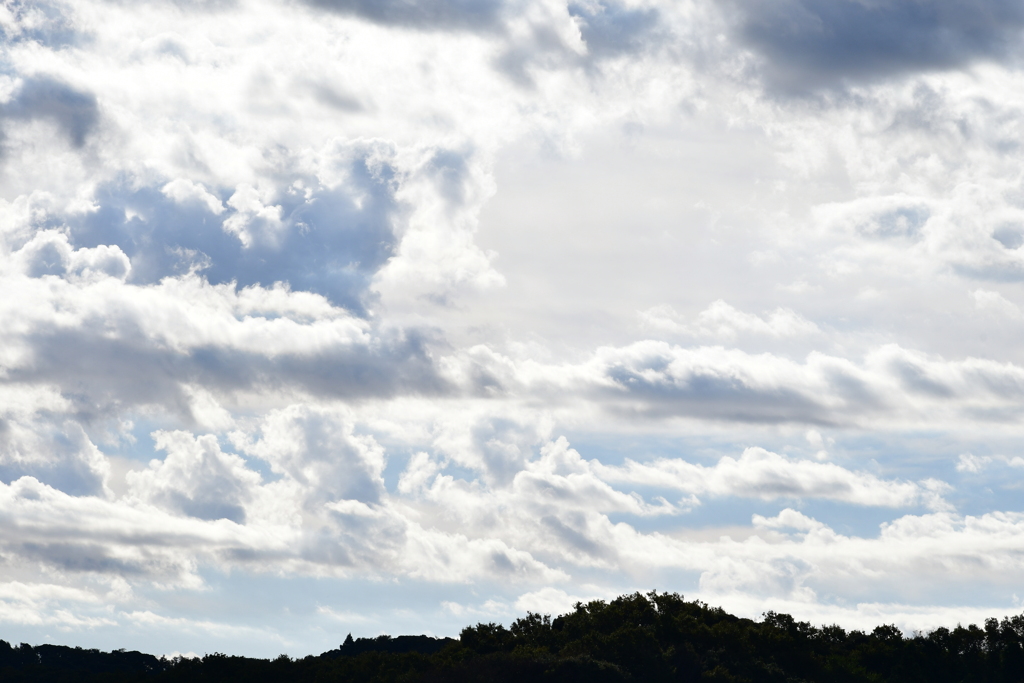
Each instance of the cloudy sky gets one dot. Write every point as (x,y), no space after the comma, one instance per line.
(393,316)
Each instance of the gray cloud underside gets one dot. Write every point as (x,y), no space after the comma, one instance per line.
(814,43)
(808,44)
(656,380)
(607,28)
(558,499)
(104,375)
(75,112)
(430,14)
(833,397)
(713,396)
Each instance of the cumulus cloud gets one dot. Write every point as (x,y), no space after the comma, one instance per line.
(658,380)
(267,320)
(318,449)
(325,513)
(793,556)
(167,333)
(329,514)
(195,478)
(559,504)
(553,601)
(184,190)
(788,519)
(758,473)
(968,462)
(39,438)
(49,253)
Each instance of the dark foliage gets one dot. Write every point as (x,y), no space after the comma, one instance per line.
(58,663)
(653,637)
(400,645)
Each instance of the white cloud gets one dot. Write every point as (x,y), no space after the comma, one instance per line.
(815,439)
(488,610)
(758,473)
(721,321)
(968,462)
(790,519)
(318,449)
(183,655)
(253,221)
(184,190)
(48,253)
(657,380)
(88,534)
(195,478)
(388,255)
(343,616)
(995,302)
(437,256)
(420,470)
(554,601)
(149,619)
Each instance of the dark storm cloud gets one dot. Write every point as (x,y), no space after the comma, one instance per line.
(429,14)
(75,112)
(810,44)
(330,244)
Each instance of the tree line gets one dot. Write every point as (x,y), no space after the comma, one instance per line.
(649,637)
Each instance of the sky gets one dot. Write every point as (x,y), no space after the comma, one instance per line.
(322,317)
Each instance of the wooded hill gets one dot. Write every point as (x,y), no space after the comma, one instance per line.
(654,637)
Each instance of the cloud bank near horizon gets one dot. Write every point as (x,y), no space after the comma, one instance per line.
(406,313)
